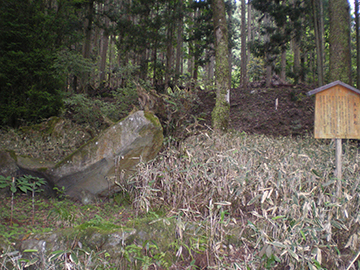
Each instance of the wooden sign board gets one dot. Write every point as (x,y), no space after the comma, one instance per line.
(337,111)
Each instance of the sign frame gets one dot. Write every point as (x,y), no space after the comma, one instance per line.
(337,116)
(337,111)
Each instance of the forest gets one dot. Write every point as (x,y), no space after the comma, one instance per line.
(240,181)
(55,52)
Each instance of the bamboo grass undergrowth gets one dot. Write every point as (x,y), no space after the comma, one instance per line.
(281,190)
(239,201)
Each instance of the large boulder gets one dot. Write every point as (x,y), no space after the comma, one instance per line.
(8,165)
(100,166)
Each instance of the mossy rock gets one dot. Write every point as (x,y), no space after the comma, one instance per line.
(93,168)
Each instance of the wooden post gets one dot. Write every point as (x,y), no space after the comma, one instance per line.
(338,170)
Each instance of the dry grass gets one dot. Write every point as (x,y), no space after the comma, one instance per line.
(51,140)
(280,191)
(256,202)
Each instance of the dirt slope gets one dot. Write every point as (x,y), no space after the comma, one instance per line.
(254,110)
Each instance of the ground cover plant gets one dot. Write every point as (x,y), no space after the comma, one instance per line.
(233,201)
(281,191)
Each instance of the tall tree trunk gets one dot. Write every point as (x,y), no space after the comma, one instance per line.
(171,26)
(283,64)
(313,66)
(221,112)
(295,42)
(357,25)
(87,43)
(169,55)
(250,30)
(340,58)
(230,22)
(179,45)
(143,65)
(113,61)
(268,72)
(243,79)
(268,57)
(319,39)
(211,66)
(196,70)
(283,57)
(190,62)
(321,33)
(155,82)
(190,59)
(296,53)
(104,47)
(302,67)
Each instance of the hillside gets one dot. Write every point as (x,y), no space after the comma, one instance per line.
(258,202)
(253,110)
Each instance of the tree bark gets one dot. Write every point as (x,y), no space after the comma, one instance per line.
(169,55)
(179,45)
(340,59)
(87,43)
(243,79)
(283,65)
(211,67)
(104,47)
(220,114)
(250,30)
(357,43)
(283,58)
(229,23)
(296,53)
(319,39)
(268,57)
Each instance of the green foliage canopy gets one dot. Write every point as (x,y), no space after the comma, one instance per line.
(29,89)
(286,24)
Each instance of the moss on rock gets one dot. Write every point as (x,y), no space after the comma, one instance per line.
(153,119)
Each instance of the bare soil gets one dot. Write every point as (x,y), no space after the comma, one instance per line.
(276,111)
(280,111)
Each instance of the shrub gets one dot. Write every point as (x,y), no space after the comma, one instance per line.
(90,112)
